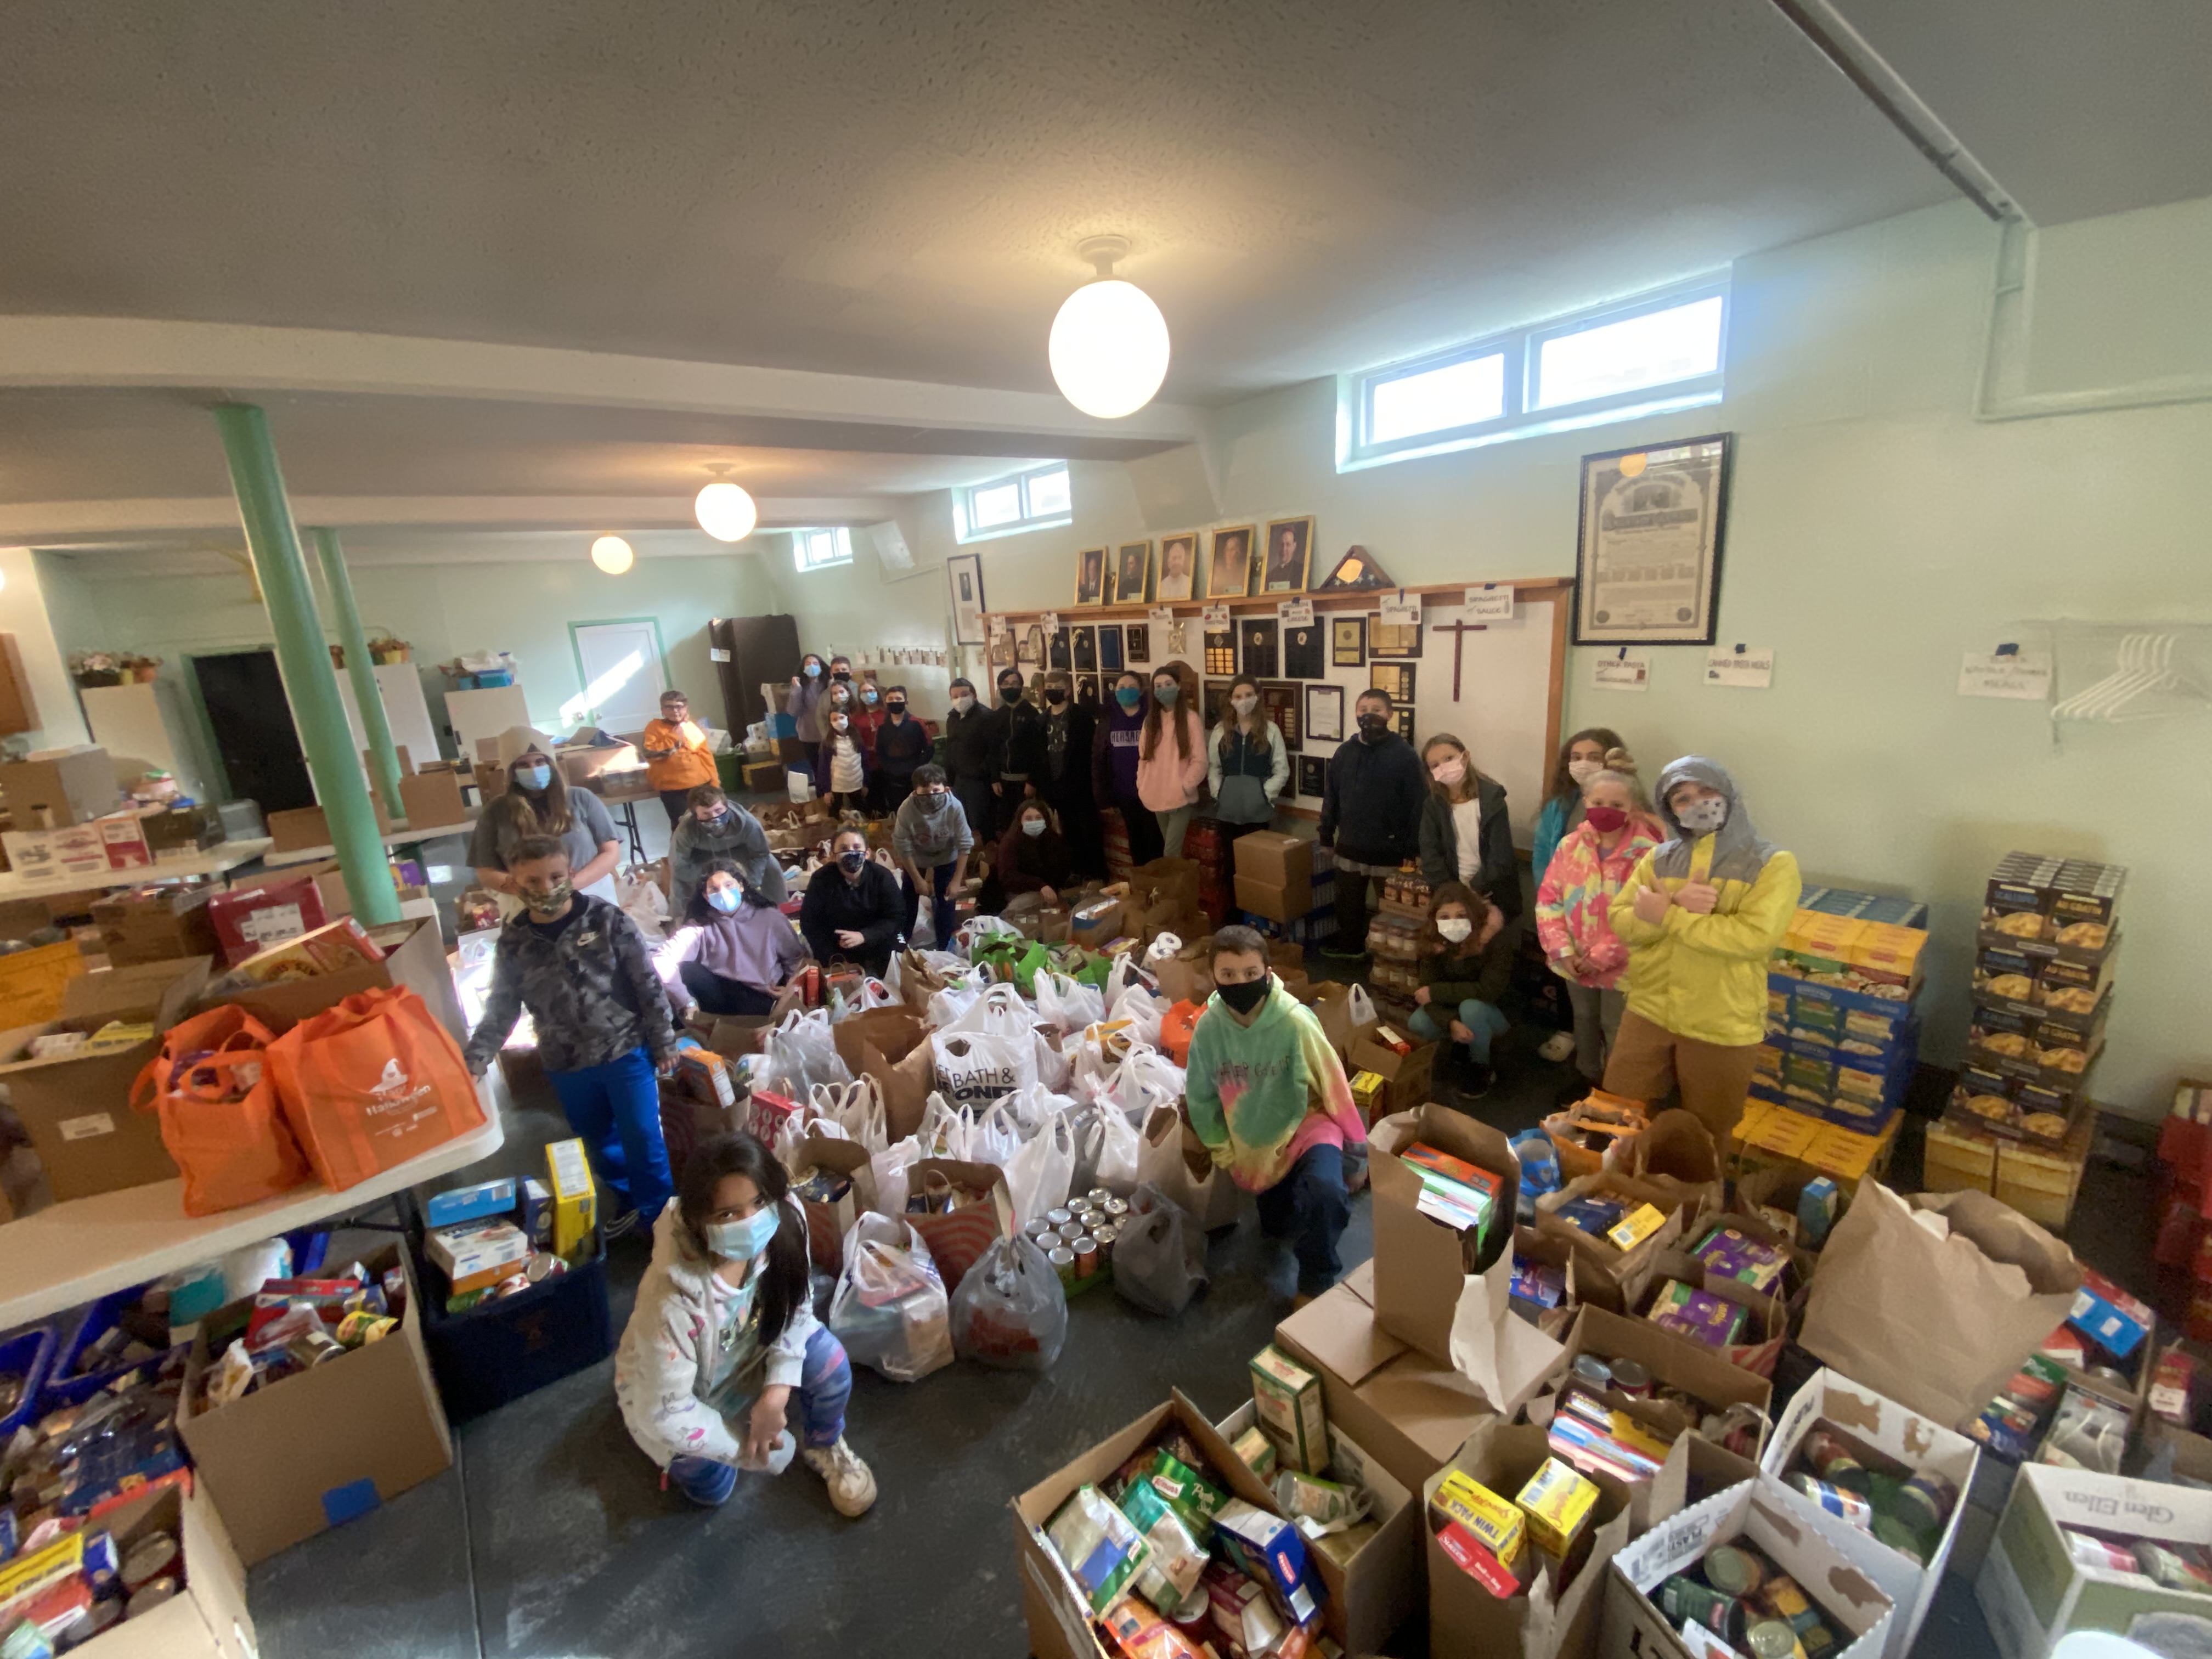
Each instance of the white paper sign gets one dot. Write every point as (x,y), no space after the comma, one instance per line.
(1751,666)
(1621,672)
(1000,627)
(1051,620)
(715,653)
(1295,613)
(1162,616)
(1490,603)
(1402,611)
(1215,616)
(2011,675)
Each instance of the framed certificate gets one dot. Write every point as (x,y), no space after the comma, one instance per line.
(1324,713)
(1648,560)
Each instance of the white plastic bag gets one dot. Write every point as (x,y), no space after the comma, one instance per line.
(943,1132)
(801,1053)
(1038,1174)
(857,1109)
(996,1136)
(887,1170)
(639,898)
(975,1067)
(872,993)
(1066,1005)
(1033,1108)
(978,931)
(1000,1011)
(1144,1013)
(890,1310)
(1147,1079)
(1126,972)
(947,1006)
(1010,1312)
(1053,1067)
(1116,1150)
(793,1134)
(1360,1006)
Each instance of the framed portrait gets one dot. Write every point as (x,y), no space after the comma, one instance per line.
(1229,573)
(1305,655)
(1401,722)
(1220,651)
(1091,576)
(1032,651)
(1137,645)
(1086,651)
(1255,646)
(964,573)
(1109,647)
(1283,555)
(1347,640)
(1086,691)
(1285,706)
(1324,713)
(1178,566)
(1312,776)
(1395,677)
(1648,553)
(1392,639)
(1132,573)
(1001,654)
(1060,653)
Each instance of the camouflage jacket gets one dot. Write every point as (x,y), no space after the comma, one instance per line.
(591,992)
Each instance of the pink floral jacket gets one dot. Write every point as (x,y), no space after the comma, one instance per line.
(1572,900)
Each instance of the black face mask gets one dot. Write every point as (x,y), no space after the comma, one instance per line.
(841,678)
(1010,694)
(1055,697)
(894,708)
(1243,998)
(1372,727)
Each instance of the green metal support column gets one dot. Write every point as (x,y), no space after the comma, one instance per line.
(365,695)
(305,660)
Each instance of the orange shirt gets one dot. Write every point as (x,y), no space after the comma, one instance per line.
(689,767)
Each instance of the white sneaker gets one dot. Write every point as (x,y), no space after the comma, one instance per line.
(851,1487)
(1560,1045)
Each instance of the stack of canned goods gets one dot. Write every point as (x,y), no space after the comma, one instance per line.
(1078,1237)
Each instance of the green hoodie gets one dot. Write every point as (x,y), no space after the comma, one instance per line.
(1259,1095)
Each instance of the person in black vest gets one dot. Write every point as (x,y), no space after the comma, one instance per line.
(852,909)
(1370,813)
(973,737)
(1021,750)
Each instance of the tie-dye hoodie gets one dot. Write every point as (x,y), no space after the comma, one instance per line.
(1259,1095)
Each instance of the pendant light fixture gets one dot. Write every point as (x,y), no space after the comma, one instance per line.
(726,511)
(613,555)
(1109,349)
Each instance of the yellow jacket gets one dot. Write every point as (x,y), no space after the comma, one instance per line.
(1704,977)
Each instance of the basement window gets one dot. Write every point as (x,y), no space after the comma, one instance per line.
(1040,499)
(1660,352)
(817,550)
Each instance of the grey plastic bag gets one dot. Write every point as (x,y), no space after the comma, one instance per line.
(1010,1312)
(1159,1254)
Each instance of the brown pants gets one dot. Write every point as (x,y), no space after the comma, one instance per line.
(1648,1060)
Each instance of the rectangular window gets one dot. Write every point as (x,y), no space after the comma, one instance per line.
(1040,499)
(817,550)
(1663,351)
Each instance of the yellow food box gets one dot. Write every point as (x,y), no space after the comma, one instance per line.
(1638,1225)
(1367,1093)
(1496,1524)
(1890,949)
(1782,1132)
(1557,1502)
(575,1199)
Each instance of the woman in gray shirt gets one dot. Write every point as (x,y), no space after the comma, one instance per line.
(540,801)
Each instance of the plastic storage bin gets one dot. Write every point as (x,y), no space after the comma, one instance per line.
(502,1349)
(60,1388)
(28,1354)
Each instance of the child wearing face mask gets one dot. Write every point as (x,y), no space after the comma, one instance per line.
(842,768)
(1370,814)
(1114,760)
(1032,857)
(853,910)
(722,1341)
(1171,756)
(804,704)
(1021,750)
(1574,905)
(1465,836)
(540,801)
(972,742)
(932,834)
(1700,915)
(735,950)
(715,827)
(1064,781)
(1466,962)
(902,743)
(1246,762)
(1581,757)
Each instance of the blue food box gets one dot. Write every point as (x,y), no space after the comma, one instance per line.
(468,1203)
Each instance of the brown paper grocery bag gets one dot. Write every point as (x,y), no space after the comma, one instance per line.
(892,1032)
(1938,1325)
(1677,1156)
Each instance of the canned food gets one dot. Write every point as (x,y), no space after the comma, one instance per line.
(1816,1641)
(1071,1230)
(1846,1506)
(1086,1256)
(1115,1208)
(1891,1529)
(1925,1503)
(1091,1221)
(150,1595)
(1592,1372)
(1063,1263)
(1786,1598)
(1684,1601)
(97,1618)
(1835,1463)
(1631,1378)
(2101,1553)
(314,1347)
(148,1558)
(1194,1614)
(1733,1571)
(1105,1237)
(1102,1195)
(1042,1226)
(1060,1216)
(1771,1638)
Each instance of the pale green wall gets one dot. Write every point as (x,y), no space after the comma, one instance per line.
(861,607)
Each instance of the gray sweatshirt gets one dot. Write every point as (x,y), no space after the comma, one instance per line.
(926,840)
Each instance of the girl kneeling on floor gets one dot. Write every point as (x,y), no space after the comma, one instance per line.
(723,1335)
(1467,961)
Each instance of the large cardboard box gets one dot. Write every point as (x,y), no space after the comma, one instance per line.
(1278,900)
(1409,1411)
(432,799)
(209,1619)
(322,1447)
(156,924)
(76,852)
(1635,1629)
(1407,1077)
(78,1111)
(1421,1264)
(1676,1362)
(72,786)
(1884,1426)
(1277,860)
(298,828)
(416,960)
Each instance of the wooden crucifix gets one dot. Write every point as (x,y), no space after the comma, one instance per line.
(1458,630)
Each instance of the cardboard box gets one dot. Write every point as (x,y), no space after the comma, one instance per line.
(156,924)
(74,853)
(323,1447)
(1406,1078)
(1635,1629)
(2032,1591)
(582,762)
(78,1111)
(1275,860)
(1675,1361)
(1421,1264)
(209,1619)
(432,799)
(298,828)
(124,836)
(272,908)
(1630,1269)
(57,788)
(1284,902)
(417,960)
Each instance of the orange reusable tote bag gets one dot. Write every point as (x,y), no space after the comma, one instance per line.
(230,1152)
(372,1083)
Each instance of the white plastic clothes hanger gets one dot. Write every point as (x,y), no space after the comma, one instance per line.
(2145,666)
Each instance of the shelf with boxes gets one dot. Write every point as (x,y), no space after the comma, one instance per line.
(1843,1034)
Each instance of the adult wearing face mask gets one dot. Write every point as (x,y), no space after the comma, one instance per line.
(932,834)
(1021,750)
(1114,753)
(1246,761)
(1171,758)
(734,952)
(972,743)
(804,702)
(1033,857)
(902,744)
(540,801)
(715,827)
(1700,915)
(1069,730)
(853,909)
(1370,813)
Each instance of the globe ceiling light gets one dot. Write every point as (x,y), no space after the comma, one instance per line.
(726,511)
(613,555)
(1110,343)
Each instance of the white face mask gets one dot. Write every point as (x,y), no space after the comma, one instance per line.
(1703,817)
(963,704)
(1243,706)
(1456,929)
(1581,771)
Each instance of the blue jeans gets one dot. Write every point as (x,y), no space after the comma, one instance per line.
(940,904)
(1309,1207)
(1486,1024)
(616,1109)
(826,1384)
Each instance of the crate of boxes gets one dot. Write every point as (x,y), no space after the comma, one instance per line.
(1843,1034)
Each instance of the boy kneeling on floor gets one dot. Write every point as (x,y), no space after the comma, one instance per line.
(723,1336)
(1267,1095)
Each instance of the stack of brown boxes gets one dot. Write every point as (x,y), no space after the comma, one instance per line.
(1274,875)
(156,924)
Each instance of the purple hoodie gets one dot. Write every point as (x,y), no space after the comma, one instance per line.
(1114,753)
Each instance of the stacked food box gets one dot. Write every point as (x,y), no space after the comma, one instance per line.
(1393,935)
(1205,845)
(1842,1033)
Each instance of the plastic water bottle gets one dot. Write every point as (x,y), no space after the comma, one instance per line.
(781,1451)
